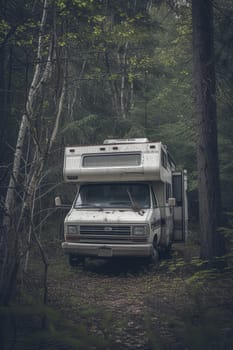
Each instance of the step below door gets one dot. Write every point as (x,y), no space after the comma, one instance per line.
(179,185)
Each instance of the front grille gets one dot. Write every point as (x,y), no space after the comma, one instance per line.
(105,234)
(105,230)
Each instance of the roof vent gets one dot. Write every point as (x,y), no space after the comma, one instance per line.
(125,141)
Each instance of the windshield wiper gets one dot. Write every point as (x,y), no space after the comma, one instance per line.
(134,204)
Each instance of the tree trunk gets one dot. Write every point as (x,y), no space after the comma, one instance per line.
(122,64)
(207,147)
(9,240)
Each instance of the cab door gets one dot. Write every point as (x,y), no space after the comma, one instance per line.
(179,188)
(156,217)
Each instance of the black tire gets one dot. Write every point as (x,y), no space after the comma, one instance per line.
(154,257)
(75,260)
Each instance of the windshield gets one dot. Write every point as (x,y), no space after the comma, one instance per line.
(113,196)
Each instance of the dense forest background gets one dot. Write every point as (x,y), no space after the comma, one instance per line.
(75,72)
(127,70)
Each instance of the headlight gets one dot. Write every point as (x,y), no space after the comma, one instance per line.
(139,231)
(72,229)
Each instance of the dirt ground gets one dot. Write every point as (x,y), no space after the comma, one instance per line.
(174,304)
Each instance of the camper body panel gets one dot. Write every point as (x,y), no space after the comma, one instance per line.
(113,163)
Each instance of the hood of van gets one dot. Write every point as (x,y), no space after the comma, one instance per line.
(108,216)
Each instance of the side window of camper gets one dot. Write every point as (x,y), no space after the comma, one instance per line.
(164,159)
(170,161)
(154,200)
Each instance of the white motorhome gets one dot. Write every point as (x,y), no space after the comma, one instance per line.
(130,200)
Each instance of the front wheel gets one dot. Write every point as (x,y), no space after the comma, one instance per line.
(154,257)
(75,260)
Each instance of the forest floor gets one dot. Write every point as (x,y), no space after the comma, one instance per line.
(121,304)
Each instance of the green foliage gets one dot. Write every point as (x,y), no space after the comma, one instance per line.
(227,232)
(148,47)
(155,340)
(200,328)
(80,131)
(26,326)
(201,321)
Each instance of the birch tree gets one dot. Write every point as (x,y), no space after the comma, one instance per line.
(37,132)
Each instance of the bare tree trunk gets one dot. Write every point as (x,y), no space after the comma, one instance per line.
(13,219)
(123,99)
(10,198)
(131,99)
(207,146)
(113,87)
(121,91)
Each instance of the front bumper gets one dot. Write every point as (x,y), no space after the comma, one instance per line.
(107,250)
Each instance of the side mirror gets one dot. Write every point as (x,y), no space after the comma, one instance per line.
(172,202)
(57,201)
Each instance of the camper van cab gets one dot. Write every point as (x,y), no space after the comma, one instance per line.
(130,200)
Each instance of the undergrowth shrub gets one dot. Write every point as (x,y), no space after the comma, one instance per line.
(35,326)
